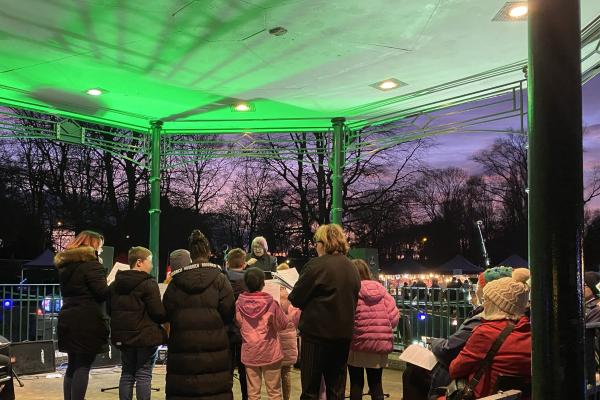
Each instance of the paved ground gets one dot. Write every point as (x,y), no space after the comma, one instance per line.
(49,386)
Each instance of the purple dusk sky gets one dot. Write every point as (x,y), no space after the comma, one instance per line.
(456,150)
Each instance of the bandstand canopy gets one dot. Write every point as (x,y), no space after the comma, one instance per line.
(295,63)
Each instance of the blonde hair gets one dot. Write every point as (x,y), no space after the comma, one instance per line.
(86,238)
(283,266)
(137,253)
(363,269)
(236,258)
(333,239)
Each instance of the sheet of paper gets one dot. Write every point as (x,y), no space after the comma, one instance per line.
(273,288)
(288,276)
(419,356)
(113,272)
(162,287)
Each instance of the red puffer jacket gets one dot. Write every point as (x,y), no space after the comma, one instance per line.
(513,357)
(375,319)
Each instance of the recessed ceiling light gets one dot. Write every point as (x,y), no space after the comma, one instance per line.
(242,107)
(388,84)
(512,11)
(518,11)
(94,92)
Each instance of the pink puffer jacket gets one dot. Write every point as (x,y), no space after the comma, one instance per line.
(260,320)
(375,319)
(289,337)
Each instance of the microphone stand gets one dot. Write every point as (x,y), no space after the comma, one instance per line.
(486,258)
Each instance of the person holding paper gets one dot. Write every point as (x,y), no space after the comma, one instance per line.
(259,256)
(136,313)
(326,292)
(236,262)
(260,319)
(372,341)
(505,302)
(289,338)
(83,327)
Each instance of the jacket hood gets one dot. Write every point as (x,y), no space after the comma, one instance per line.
(254,305)
(371,292)
(198,279)
(126,281)
(76,255)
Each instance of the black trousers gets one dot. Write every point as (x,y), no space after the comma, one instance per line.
(326,359)
(236,361)
(415,383)
(76,378)
(357,382)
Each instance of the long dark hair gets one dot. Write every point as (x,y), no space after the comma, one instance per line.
(199,246)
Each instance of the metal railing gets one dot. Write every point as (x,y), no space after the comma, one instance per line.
(29,312)
(429,312)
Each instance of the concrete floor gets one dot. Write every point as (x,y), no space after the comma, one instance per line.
(49,386)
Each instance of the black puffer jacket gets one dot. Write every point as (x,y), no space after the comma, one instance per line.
(199,304)
(236,279)
(82,323)
(136,310)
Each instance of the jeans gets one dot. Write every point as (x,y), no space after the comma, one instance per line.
(137,369)
(77,376)
(357,382)
(327,359)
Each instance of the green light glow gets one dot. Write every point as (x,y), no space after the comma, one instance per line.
(187,63)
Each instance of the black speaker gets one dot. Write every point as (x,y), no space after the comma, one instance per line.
(32,357)
(109,359)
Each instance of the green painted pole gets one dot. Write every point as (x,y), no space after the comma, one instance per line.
(155,194)
(556,199)
(337,195)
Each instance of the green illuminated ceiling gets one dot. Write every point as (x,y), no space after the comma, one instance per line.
(186,62)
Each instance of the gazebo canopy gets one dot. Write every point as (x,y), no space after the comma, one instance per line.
(515,261)
(295,64)
(44,260)
(457,263)
(405,266)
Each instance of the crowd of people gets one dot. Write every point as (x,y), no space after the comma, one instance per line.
(216,321)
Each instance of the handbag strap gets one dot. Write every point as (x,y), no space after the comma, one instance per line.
(489,357)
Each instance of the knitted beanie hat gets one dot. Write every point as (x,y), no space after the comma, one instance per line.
(491,274)
(508,296)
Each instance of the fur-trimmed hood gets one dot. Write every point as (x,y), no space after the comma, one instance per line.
(78,254)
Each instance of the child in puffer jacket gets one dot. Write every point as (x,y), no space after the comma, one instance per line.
(260,319)
(375,319)
(289,340)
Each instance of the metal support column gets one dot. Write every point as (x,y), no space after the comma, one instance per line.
(339,156)
(155,194)
(556,199)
